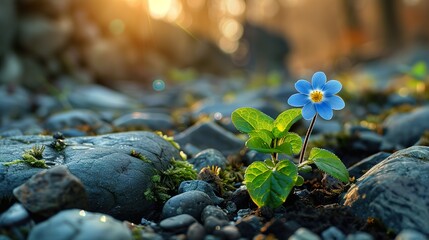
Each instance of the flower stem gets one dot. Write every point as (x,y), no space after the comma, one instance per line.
(307,136)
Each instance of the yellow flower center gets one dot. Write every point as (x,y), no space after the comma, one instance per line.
(316,96)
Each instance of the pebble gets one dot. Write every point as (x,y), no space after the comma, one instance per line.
(75,224)
(196,232)
(152,121)
(179,223)
(207,158)
(73,119)
(249,226)
(333,233)
(50,191)
(213,211)
(192,203)
(229,232)
(15,216)
(212,223)
(202,186)
(410,234)
(359,236)
(304,234)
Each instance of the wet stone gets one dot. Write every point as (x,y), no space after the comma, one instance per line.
(73,119)
(153,121)
(202,186)
(333,233)
(15,216)
(77,224)
(229,232)
(213,211)
(50,191)
(395,191)
(179,223)
(192,203)
(196,232)
(410,234)
(404,129)
(304,234)
(207,158)
(212,223)
(359,236)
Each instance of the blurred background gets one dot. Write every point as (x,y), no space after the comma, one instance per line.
(116,41)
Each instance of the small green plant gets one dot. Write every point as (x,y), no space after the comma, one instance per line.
(270,182)
(32,157)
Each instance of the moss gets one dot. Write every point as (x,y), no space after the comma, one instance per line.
(140,156)
(166,182)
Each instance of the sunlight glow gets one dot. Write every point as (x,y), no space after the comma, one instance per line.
(117,26)
(103,219)
(227,45)
(231,28)
(159,8)
(235,7)
(82,213)
(196,4)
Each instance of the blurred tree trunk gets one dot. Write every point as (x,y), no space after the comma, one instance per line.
(389,17)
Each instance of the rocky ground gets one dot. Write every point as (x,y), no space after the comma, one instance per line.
(84,155)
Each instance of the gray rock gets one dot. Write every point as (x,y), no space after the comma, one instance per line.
(179,223)
(196,232)
(28,125)
(73,119)
(202,186)
(229,232)
(212,223)
(395,191)
(78,224)
(152,121)
(213,211)
(99,98)
(103,164)
(207,158)
(249,226)
(358,169)
(404,129)
(410,234)
(359,236)
(14,101)
(333,233)
(192,203)
(210,135)
(42,36)
(50,191)
(7,25)
(15,216)
(304,234)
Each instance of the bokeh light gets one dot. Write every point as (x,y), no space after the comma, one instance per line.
(158,85)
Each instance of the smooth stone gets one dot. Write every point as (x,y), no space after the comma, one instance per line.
(369,142)
(15,216)
(196,232)
(210,135)
(213,211)
(179,223)
(42,36)
(97,97)
(78,224)
(249,226)
(207,158)
(304,234)
(50,191)
(73,119)
(229,232)
(153,121)
(212,223)
(359,236)
(27,125)
(395,191)
(333,233)
(192,203)
(202,186)
(279,228)
(410,234)
(103,164)
(358,169)
(405,129)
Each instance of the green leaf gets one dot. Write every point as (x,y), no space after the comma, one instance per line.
(258,144)
(266,135)
(329,163)
(295,141)
(285,148)
(270,186)
(248,119)
(285,120)
(418,71)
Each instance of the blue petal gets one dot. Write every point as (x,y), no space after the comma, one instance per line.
(298,100)
(336,102)
(303,86)
(332,87)
(318,80)
(308,111)
(324,110)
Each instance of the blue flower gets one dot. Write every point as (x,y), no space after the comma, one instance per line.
(318,97)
